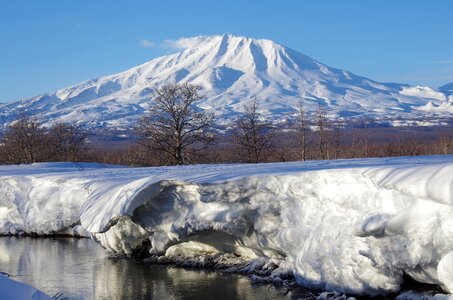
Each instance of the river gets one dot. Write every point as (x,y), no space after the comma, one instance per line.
(81,269)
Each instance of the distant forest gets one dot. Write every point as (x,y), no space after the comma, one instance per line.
(175,132)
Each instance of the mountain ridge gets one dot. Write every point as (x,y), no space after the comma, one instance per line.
(231,70)
(447,88)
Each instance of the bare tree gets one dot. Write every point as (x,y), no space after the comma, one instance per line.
(445,144)
(69,141)
(336,138)
(366,144)
(322,140)
(405,145)
(252,133)
(353,148)
(24,141)
(302,129)
(175,126)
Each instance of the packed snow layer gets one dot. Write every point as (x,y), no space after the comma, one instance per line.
(14,290)
(354,226)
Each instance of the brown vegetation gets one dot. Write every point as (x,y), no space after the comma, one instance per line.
(27,141)
(252,134)
(175,132)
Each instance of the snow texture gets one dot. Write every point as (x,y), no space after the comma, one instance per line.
(14,290)
(232,70)
(350,226)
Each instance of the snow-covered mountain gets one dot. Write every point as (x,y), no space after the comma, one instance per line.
(232,70)
(447,89)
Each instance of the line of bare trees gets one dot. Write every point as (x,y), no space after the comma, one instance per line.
(27,141)
(177,132)
(252,138)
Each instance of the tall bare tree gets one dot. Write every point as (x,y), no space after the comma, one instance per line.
(445,144)
(69,142)
(175,126)
(253,134)
(366,144)
(24,141)
(353,150)
(303,131)
(322,134)
(337,132)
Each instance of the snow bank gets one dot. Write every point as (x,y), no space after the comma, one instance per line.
(354,226)
(14,290)
(45,198)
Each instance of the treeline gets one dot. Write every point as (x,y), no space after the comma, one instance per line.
(27,141)
(176,132)
(287,146)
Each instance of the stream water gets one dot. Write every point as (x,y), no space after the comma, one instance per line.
(81,269)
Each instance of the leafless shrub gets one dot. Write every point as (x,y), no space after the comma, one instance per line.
(24,142)
(68,142)
(252,134)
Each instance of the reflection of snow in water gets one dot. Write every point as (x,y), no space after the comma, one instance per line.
(80,269)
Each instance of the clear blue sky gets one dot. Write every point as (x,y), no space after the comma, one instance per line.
(49,44)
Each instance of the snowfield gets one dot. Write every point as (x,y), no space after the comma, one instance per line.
(353,226)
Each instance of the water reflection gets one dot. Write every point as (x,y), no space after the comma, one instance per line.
(80,269)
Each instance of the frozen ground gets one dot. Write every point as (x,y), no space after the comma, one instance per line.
(354,226)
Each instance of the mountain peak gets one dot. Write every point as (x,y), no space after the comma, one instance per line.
(447,87)
(230,69)
(189,43)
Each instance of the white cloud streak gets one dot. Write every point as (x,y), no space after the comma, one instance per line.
(178,44)
(147,43)
(444,62)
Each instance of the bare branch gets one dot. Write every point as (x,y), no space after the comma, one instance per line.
(175,126)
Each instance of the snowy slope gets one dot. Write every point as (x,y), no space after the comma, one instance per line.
(447,89)
(231,70)
(349,225)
